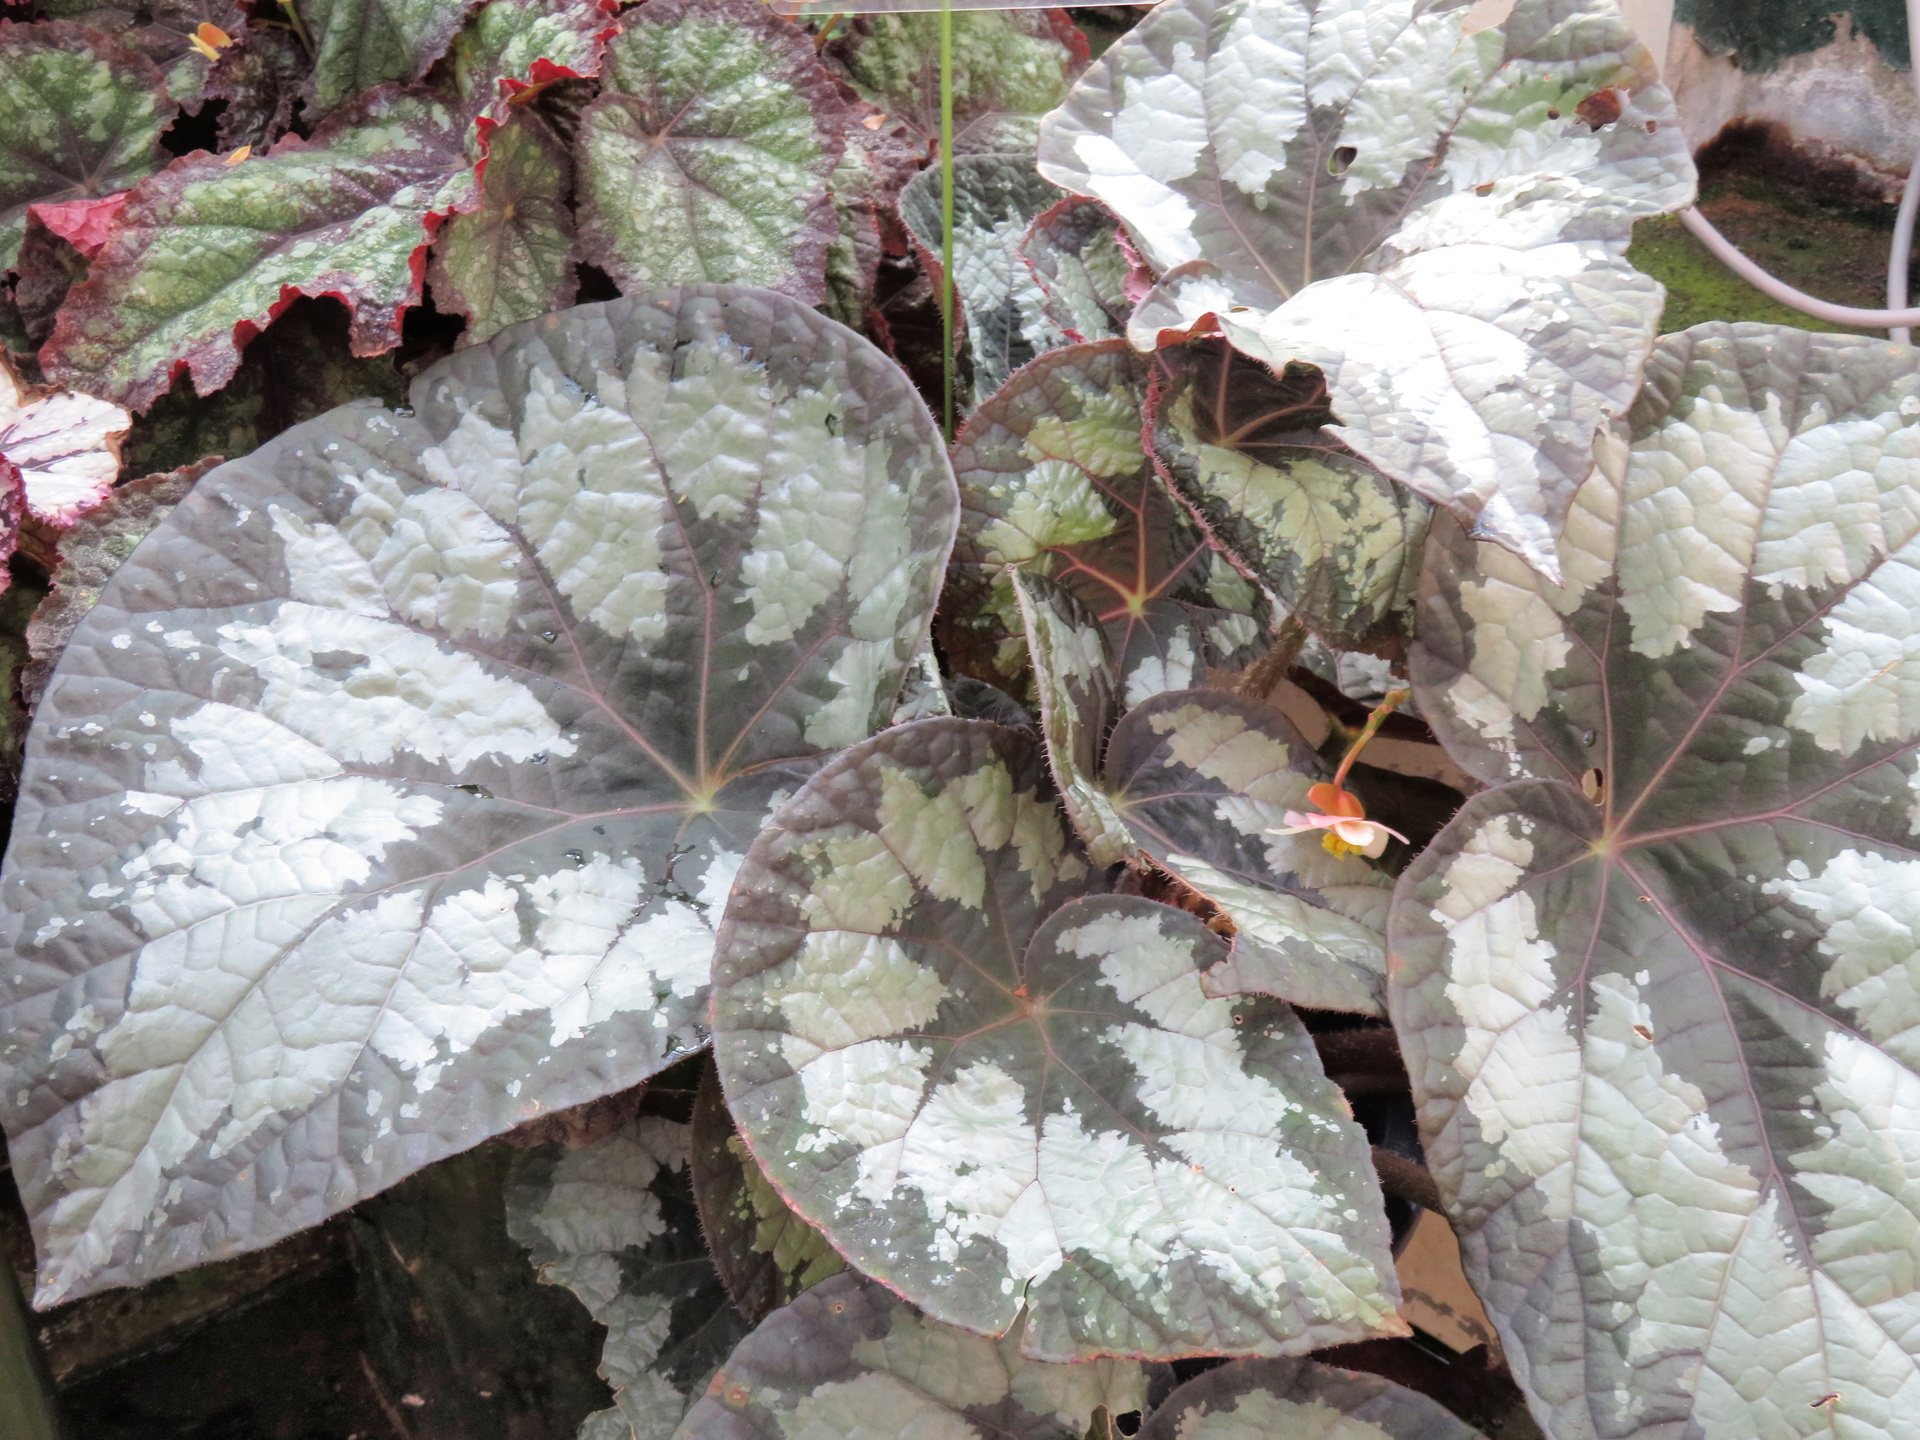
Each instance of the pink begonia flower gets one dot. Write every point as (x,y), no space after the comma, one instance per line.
(1345,818)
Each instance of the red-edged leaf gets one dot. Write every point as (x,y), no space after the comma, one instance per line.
(510,50)
(207,252)
(83,224)
(66,449)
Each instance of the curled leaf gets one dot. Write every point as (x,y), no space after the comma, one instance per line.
(66,446)
(1077,255)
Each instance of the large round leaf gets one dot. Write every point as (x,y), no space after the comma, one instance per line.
(1657,994)
(1299,1400)
(1435,219)
(991,1094)
(386,796)
(848,1361)
(1204,779)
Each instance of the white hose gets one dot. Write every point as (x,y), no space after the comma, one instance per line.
(1902,255)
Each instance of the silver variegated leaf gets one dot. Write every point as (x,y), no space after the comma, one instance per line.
(1202,779)
(996,1090)
(1435,219)
(766,1255)
(849,1361)
(1055,479)
(1074,680)
(389,793)
(995,198)
(1657,993)
(1299,1400)
(614,1222)
(1335,542)
(1076,254)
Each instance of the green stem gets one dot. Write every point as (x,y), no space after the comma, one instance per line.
(299,27)
(28,1409)
(1394,698)
(946,216)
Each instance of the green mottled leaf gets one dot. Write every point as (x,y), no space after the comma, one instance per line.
(1009,68)
(1054,479)
(82,118)
(1075,252)
(161,30)
(511,259)
(765,1254)
(995,198)
(994,1088)
(707,155)
(614,1222)
(206,252)
(1074,679)
(1202,778)
(391,789)
(1657,992)
(849,1361)
(1427,216)
(509,46)
(1299,1400)
(358,44)
(1335,542)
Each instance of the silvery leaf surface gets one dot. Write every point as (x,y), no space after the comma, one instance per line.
(1334,541)
(390,791)
(1656,991)
(1055,478)
(1299,1400)
(1437,220)
(707,154)
(995,198)
(766,1255)
(993,1087)
(358,44)
(614,1222)
(849,1361)
(1076,254)
(1202,778)
(1075,682)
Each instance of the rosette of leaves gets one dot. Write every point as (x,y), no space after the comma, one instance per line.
(457,723)
(1009,68)
(995,198)
(614,1222)
(1333,540)
(1300,1400)
(1202,779)
(1656,989)
(850,1361)
(1077,255)
(707,154)
(996,1089)
(82,116)
(206,252)
(766,1255)
(1055,479)
(1369,189)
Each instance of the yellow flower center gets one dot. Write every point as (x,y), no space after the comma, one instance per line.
(1334,845)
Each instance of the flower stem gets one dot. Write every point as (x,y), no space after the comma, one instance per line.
(946,217)
(1393,700)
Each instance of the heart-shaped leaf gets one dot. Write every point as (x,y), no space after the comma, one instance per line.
(849,1361)
(614,1222)
(1334,541)
(991,1094)
(1203,779)
(1076,254)
(1299,1400)
(207,252)
(387,795)
(995,198)
(1054,478)
(1073,679)
(1658,1002)
(511,259)
(82,118)
(707,155)
(1009,68)
(766,1255)
(358,44)
(1434,219)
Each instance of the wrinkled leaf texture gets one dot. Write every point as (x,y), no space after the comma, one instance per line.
(458,722)
(1657,988)
(1298,1400)
(359,44)
(995,1087)
(1436,220)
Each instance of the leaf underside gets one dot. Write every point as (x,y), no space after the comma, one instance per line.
(1662,1038)
(463,721)
(992,1086)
